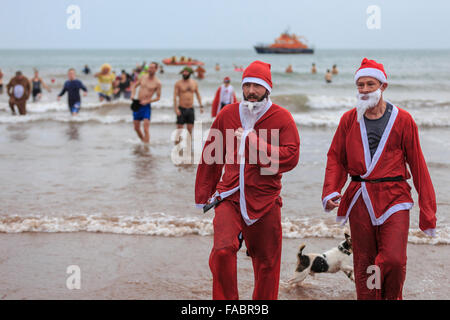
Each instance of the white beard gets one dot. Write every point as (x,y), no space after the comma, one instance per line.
(252,111)
(366,101)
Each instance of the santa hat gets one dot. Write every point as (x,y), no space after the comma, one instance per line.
(371,68)
(226,79)
(258,72)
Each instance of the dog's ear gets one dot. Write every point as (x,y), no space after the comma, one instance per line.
(346,236)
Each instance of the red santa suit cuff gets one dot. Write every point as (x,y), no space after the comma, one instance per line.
(328,197)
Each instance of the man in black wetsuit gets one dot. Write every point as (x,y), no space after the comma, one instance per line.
(73,87)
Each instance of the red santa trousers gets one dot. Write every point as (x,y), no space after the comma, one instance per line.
(263,241)
(383,246)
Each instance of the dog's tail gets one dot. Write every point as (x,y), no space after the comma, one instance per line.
(300,250)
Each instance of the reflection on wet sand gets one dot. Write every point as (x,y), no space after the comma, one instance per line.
(143,161)
(18,132)
(73,131)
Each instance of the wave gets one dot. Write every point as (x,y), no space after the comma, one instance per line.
(329,119)
(46,106)
(159,224)
(295,102)
(305,102)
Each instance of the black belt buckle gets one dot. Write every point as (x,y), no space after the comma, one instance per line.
(208,206)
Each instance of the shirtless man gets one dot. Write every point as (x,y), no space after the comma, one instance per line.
(183,102)
(150,85)
(19,90)
(328,76)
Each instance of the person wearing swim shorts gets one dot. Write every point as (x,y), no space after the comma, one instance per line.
(73,87)
(183,102)
(149,85)
(19,90)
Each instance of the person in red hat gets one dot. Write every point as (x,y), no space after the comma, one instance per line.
(373,144)
(224,95)
(249,147)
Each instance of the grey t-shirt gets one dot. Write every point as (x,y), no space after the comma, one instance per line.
(375,128)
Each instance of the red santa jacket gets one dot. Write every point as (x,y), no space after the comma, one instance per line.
(349,154)
(246,181)
(215,107)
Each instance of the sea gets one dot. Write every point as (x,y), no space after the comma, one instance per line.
(91,173)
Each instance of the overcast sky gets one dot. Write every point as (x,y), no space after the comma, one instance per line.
(223,24)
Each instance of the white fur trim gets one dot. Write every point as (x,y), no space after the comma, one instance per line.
(371,163)
(430,232)
(242,202)
(328,197)
(371,72)
(388,213)
(257,81)
(343,220)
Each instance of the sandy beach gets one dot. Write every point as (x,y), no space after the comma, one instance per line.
(85,191)
(33,266)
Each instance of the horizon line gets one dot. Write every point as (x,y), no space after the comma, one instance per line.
(217,49)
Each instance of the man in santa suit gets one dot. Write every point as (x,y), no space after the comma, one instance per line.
(373,143)
(250,145)
(224,95)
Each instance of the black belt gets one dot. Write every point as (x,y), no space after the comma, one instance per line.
(386,179)
(212,204)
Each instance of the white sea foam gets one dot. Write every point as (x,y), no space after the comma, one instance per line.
(159,224)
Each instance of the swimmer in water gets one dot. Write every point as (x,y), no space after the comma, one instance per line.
(149,86)
(105,82)
(183,102)
(1,81)
(328,76)
(73,87)
(19,91)
(36,82)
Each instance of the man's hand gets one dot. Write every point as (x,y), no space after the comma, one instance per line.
(84,94)
(238,133)
(201,109)
(58,98)
(333,203)
(178,112)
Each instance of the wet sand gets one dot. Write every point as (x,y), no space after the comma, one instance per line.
(33,266)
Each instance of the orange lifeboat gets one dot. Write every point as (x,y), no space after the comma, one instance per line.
(285,43)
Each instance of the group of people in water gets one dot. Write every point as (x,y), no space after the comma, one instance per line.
(328,75)
(141,81)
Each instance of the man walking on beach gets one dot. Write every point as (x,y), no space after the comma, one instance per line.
(150,85)
(224,95)
(250,145)
(373,143)
(183,101)
(19,90)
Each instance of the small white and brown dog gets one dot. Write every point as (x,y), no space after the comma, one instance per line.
(332,261)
